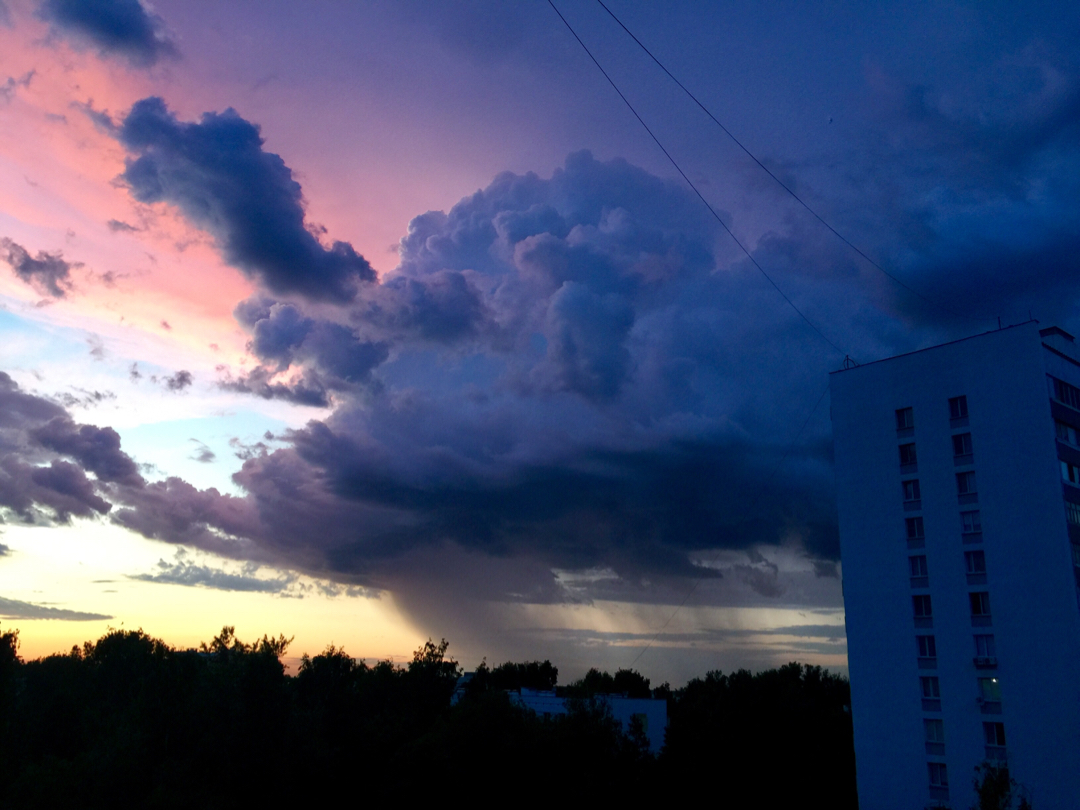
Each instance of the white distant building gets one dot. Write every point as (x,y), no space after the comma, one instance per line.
(958,491)
(651,713)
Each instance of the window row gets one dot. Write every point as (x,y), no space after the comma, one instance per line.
(985,650)
(1064,393)
(963,450)
(989,688)
(965,486)
(934,735)
(970,523)
(978,601)
(974,566)
(958,409)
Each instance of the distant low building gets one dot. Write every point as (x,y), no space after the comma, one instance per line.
(649,712)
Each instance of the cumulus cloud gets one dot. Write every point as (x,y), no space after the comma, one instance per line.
(217,174)
(125,28)
(48,273)
(334,356)
(576,373)
(560,370)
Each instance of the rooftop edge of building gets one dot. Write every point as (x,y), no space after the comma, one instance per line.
(1063,344)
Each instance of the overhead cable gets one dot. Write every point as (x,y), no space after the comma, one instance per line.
(765,168)
(690,183)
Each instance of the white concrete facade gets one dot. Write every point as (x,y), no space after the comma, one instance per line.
(961,590)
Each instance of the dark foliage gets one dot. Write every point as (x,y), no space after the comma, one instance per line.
(772,739)
(128,721)
(996,790)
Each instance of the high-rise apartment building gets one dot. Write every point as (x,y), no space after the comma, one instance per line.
(958,492)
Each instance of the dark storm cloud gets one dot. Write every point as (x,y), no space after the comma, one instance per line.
(48,273)
(563,374)
(333,356)
(306,389)
(125,28)
(216,172)
(96,449)
(61,487)
(971,195)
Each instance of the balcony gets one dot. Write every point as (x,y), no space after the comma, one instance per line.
(931,663)
(981,662)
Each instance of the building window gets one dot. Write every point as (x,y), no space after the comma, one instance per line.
(921,605)
(914,528)
(1067,434)
(934,730)
(918,566)
(980,603)
(1075,554)
(971,522)
(961,444)
(984,647)
(939,776)
(990,689)
(911,490)
(958,407)
(975,561)
(907,455)
(1072,512)
(927,646)
(965,483)
(934,734)
(1065,393)
(931,688)
(995,734)
(905,418)
(1070,473)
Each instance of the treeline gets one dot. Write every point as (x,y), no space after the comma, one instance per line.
(129,721)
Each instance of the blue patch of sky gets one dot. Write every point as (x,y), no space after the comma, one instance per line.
(170,446)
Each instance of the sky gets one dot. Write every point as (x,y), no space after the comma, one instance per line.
(366,324)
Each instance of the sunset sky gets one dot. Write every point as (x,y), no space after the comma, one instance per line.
(368,323)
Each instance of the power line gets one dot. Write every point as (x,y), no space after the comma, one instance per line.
(765,168)
(753,505)
(690,183)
